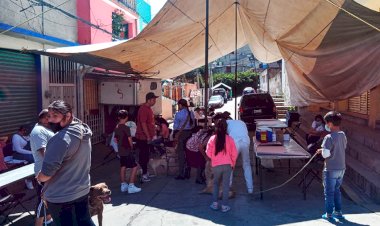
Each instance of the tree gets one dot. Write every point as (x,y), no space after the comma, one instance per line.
(117,24)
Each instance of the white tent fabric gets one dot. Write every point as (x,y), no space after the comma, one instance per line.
(221,85)
(329,54)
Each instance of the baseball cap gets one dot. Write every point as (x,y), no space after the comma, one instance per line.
(150,95)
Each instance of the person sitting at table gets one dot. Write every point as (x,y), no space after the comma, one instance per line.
(316,131)
(162,127)
(21,145)
(198,113)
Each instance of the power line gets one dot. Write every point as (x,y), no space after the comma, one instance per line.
(41,3)
(54,7)
(54,22)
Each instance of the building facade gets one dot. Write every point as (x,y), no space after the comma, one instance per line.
(99,13)
(28,82)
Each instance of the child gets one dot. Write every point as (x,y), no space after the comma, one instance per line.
(333,150)
(222,151)
(127,160)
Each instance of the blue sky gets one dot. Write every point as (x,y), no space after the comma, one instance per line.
(156,6)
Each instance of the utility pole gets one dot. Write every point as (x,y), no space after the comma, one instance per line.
(236,74)
(206,64)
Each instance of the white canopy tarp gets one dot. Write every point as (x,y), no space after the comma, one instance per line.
(329,54)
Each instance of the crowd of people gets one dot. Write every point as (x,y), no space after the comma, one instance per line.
(60,147)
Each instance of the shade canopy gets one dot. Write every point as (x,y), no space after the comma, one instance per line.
(330,54)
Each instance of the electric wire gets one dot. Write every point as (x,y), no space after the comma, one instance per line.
(11,28)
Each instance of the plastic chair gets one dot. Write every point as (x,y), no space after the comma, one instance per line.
(9,202)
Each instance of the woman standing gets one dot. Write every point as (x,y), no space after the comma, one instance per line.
(222,151)
(183,125)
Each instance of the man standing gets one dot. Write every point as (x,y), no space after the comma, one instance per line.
(66,167)
(145,132)
(39,137)
(237,129)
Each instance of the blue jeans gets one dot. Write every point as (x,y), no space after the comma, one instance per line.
(27,157)
(332,180)
(75,212)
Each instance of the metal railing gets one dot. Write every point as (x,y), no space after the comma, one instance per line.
(131,4)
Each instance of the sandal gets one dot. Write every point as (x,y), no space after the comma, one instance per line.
(214,206)
(225,208)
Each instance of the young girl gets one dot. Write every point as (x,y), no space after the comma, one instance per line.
(222,151)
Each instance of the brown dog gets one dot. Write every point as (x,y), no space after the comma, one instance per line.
(210,183)
(99,194)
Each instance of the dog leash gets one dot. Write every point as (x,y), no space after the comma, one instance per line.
(290,179)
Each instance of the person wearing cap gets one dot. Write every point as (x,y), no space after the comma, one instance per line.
(39,138)
(145,132)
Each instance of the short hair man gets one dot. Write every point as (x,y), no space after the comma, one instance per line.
(39,137)
(66,167)
(145,132)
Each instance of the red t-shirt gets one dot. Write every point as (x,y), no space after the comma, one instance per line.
(145,114)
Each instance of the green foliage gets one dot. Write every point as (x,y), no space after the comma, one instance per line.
(244,79)
(117,23)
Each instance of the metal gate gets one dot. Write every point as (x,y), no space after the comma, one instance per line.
(62,81)
(93,111)
(18,90)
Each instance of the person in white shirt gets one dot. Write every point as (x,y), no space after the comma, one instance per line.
(237,129)
(21,145)
(39,138)
(316,131)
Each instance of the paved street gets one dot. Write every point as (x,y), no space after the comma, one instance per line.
(165,201)
(230,107)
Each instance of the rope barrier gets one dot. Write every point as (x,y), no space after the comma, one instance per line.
(290,179)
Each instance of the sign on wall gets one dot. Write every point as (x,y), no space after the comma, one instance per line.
(117,92)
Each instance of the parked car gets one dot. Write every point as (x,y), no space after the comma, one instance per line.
(216,101)
(256,106)
(248,90)
(222,92)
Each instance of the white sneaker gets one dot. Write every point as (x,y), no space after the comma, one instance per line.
(29,184)
(145,178)
(133,189)
(250,190)
(124,187)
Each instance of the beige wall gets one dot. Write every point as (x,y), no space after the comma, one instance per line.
(167,108)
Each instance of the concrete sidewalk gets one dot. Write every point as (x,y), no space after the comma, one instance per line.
(165,201)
